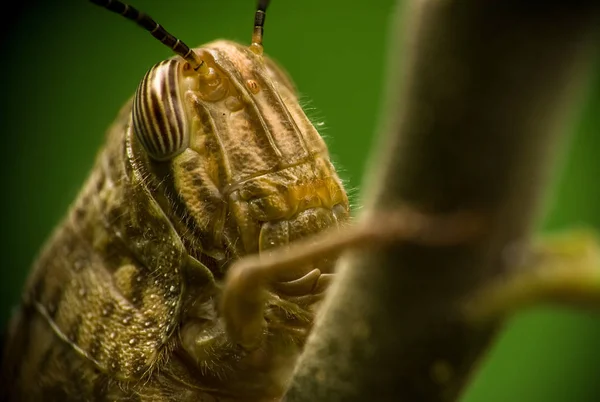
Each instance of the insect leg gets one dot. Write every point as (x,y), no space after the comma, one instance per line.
(243,297)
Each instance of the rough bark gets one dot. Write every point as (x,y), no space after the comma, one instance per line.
(476,106)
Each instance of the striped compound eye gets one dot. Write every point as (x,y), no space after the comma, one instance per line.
(159,119)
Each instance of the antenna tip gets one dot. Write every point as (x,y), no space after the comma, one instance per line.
(259,23)
(262,5)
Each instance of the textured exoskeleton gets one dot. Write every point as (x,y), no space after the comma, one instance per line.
(205,165)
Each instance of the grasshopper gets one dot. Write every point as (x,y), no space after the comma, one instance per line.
(211,160)
(193,262)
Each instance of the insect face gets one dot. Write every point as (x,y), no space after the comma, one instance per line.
(233,138)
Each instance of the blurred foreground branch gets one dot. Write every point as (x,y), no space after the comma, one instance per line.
(477,103)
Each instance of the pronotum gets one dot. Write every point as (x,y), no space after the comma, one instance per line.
(211,160)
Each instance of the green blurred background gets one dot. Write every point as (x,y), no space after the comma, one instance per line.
(68,66)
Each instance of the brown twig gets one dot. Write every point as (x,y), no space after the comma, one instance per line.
(478,98)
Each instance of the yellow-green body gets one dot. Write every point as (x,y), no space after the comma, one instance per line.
(123,302)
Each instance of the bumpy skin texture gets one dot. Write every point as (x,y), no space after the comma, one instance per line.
(123,302)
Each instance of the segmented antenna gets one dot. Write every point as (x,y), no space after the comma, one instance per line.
(259,23)
(156,30)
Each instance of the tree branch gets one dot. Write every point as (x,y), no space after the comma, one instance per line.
(477,102)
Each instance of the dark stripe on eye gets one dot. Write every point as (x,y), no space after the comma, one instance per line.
(166,111)
(142,117)
(152,127)
(159,121)
(158,116)
(176,109)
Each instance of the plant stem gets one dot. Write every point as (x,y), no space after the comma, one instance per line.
(478,100)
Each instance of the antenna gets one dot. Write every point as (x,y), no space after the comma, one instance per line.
(259,23)
(156,30)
